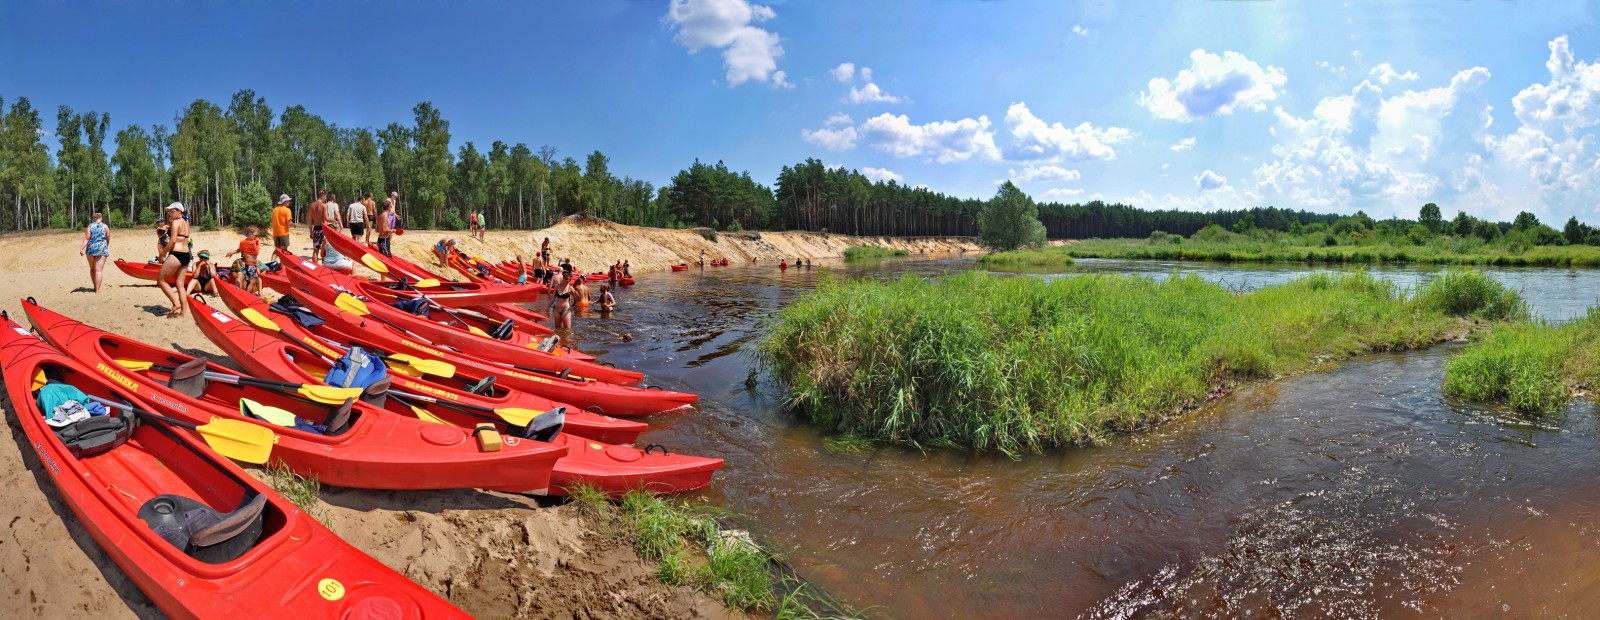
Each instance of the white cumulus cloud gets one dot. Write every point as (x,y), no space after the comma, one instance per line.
(748,52)
(1183,145)
(880,174)
(1045,173)
(1063,193)
(1385,73)
(871,94)
(941,141)
(838,119)
(1209,180)
(1079,30)
(845,72)
(831,139)
(1033,138)
(1213,85)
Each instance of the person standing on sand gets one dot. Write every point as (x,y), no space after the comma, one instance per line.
(483,225)
(316,216)
(472,224)
(358,219)
(177,259)
(371,207)
(385,226)
(96,246)
(282,221)
(335,216)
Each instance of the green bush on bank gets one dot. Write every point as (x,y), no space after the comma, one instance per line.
(872,251)
(1535,366)
(1021,364)
(1044,257)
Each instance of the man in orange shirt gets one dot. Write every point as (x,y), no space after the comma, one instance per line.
(282,221)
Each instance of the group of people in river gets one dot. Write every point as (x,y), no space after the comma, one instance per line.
(783,263)
(569,287)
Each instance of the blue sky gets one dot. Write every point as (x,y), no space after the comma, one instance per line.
(1481,105)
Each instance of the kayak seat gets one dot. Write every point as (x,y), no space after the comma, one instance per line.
(504,330)
(546,425)
(189,378)
(377,393)
(203,533)
(339,418)
(484,387)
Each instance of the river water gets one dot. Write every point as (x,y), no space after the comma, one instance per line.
(1357,492)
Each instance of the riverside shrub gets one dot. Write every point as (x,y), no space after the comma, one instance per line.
(1017,364)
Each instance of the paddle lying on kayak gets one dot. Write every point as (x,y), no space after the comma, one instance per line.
(200,537)
(274,345)
(613,468)
(352,445)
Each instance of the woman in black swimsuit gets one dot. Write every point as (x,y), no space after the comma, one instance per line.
(563,303)
(178,257)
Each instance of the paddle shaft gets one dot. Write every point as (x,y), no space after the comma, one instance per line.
(116,405)
(461,408)
(227,378)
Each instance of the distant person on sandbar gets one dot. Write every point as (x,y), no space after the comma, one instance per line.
(97,247)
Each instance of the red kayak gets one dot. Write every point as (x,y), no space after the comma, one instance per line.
(614,468)
(596,396)
(397,267)
(373,449)
(265,559)
(600,276)
(327,286)
(680,267)
(256,349)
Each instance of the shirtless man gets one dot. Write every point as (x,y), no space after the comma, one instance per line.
(372,215)
(316,217)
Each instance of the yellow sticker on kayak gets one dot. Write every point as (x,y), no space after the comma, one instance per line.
(330,589)
(597,446)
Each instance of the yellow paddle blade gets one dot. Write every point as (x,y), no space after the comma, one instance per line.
(427,283)
(517,417)
(425,416)
(259,320)
(39,381)
(238,440)
(134,364)
(349,303)
(478,331)
(437,368)
(373,263)
(328,394)
(403,369)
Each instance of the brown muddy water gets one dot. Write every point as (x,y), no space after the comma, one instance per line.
(1357,492)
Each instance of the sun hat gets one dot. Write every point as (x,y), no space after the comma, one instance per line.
(283,198)
(176,205)
(394,193)
(205,254)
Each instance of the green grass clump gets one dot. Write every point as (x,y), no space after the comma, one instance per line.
(1535,366)
(306,493)
(1021,364)
(1466,292)
(688,547)
(872,251)
(1043,257)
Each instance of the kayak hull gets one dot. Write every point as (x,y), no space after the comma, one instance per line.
(296,569)
(379,451)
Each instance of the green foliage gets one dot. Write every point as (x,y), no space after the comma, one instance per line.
(1162,237)
(254,208)
(452,220)
(666,533)
(1466,292)
(1431,219)
(1019,365)
(116,219)
(306,493)
(709,234)
(1213,233)
(1453,250)
(861,252)
(1418,234)
(1023,259)
(208,222)
(1010,221)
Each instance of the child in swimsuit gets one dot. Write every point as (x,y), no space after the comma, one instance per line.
(204,273)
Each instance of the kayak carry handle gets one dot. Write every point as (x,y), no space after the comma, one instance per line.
(653,446)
